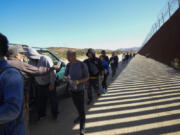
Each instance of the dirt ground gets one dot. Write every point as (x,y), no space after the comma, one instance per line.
(143,99)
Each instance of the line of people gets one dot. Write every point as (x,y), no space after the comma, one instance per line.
(17,78)
(127,56)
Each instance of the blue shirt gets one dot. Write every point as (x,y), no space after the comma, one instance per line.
(11,101)
(105,65)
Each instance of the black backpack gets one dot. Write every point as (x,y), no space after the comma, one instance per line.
(93,67)
(82,67)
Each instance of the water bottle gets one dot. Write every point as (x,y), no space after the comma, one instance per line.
(75,87)
(59,63)
(71,81)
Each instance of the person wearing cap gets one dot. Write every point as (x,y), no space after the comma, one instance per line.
(11,95)
(95,68)
(45,85)
(15,59)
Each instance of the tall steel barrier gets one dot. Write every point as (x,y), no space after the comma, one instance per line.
(164,15)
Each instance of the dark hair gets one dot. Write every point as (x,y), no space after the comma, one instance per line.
(102,57)
(90,50)
(3,45)
(103,52)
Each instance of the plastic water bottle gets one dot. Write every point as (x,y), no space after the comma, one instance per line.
(71,81)
(59,63)
(75,87)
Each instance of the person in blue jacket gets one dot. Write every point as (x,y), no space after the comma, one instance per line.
(11,95)
(105,66)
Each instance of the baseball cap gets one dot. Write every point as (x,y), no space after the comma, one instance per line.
(14,49)
(32,54)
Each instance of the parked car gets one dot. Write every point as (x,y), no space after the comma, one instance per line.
(60,82)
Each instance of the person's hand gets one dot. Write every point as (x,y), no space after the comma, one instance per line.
(51,87)
(56,67)
(66,78)
(102,79)
(73,83)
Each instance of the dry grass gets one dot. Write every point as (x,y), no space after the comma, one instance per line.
(81,53)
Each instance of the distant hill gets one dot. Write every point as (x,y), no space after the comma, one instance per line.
(61,51)
(129,49)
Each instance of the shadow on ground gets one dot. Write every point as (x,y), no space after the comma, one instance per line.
(143,99)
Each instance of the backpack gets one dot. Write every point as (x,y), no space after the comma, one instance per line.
(94,70)
(82,67)
(60,74)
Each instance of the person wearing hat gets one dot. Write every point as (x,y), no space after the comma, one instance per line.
(15,59)
(95,68)
(45,85)
(11,95)
(16,51)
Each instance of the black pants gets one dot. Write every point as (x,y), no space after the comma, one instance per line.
(93,83)
(104,83)
(114,68)
(43,94)
(78,99)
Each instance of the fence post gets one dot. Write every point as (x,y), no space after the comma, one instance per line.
(169,8)
(179,3)
(155,27)
(163,18)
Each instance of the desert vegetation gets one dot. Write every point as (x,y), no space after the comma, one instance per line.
(81,53)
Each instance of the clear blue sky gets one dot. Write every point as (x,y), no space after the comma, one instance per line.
(78,23)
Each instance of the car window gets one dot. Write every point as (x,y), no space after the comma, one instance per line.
(48,54)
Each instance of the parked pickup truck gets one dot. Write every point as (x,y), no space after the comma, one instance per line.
(60,83)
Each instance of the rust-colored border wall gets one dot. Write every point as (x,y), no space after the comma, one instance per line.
(164,45)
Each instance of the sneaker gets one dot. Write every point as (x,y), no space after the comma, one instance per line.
(82,131)
(77,120)
(106,91)
(43,117)
(103,91)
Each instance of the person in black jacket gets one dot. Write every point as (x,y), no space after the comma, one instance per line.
(114,63)
(95,68)
(103,54)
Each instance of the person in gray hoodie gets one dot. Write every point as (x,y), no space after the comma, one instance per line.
(45,84)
